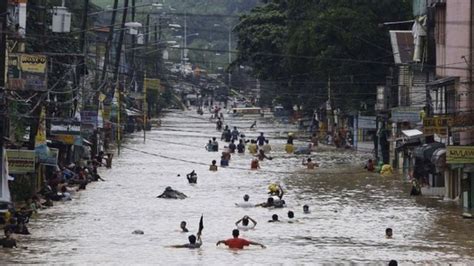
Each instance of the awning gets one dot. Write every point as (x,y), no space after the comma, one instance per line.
(441,82)
(439,159)
(85,141)
(131,112)
(412,133)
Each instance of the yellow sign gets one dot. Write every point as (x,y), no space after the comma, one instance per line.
(437,125)
(153,84)
(66,139)
(21,161)
(33,63)
(41,133)
(460,154)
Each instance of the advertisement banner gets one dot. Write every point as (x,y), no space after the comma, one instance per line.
(49,158)
(89,121)
(152,84)
(460,155)
(73,128)
(66,139)
(437,125)
(21,161)
(367,122)
(27,72)
(406,114)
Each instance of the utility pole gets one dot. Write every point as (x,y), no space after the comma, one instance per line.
(145,100)
(84,25)
(3,60)
(118,52)
(110,38)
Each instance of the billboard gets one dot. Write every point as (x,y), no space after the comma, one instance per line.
(460,155)
(21,161)
(27,72)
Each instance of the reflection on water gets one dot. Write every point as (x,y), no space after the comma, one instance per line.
(350,208)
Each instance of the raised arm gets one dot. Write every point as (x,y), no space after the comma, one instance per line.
(256,244)
(253,221)
(237,223)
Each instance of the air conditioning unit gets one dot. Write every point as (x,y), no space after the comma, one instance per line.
(61,19)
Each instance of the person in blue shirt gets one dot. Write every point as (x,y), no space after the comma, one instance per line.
(261,139)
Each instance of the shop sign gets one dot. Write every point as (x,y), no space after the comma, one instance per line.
(21,161)
(437,125)
(27,72)
(66,139)
(89,121)
(49,158)
(460,155)
(406,114)
(152,84)
(65,129)
(367,122)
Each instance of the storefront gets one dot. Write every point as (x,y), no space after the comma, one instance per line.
(461,174)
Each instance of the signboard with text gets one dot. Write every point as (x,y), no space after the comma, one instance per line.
(437,125)
(367,122)
(406,114)
(460,155)
(21,161)
(27,72)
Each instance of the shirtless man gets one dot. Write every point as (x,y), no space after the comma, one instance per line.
(310,164)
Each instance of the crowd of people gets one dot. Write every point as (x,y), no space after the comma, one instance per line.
(58,186)
(235,141)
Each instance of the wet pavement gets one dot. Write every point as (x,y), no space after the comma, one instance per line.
(350,208)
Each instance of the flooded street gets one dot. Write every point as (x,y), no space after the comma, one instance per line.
(350,208)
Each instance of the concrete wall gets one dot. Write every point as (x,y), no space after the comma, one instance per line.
(453,54)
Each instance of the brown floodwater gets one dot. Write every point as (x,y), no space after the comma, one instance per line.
(350,208)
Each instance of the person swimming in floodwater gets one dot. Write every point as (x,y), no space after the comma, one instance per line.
(209,146)
(8,241)
(235,134)
(182,225)
(310,164)
(232,146)
(213,166)
(219,124)
(253,147)
(254,165)
(276,190)
(215,144)
(192,242)
(291,217)
(261,155)
(244,223)
(192,177)
(306,209)
(261,139)
(236,242)
(388,233)
(274,219)
(170,193)
(246,203)
(254,124)
(241,146)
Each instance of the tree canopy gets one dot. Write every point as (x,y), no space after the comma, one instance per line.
(297,46)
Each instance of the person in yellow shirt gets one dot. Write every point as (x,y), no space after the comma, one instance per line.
(252,147)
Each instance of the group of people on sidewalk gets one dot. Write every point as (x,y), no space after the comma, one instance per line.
(58,186)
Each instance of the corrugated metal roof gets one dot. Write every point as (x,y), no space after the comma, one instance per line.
(402,46)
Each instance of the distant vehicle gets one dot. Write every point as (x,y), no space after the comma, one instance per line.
(240,111)
(279,111)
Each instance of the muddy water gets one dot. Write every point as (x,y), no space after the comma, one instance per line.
(350,209)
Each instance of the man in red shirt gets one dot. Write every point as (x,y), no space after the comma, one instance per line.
(236,242)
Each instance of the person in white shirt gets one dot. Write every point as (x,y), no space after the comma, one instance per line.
(244,223)
(246,203)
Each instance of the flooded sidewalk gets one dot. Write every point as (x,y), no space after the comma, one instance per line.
(350,208)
